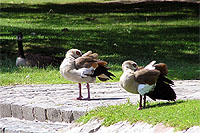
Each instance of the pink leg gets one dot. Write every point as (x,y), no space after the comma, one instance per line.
(88,87)
(80,95)
(140,104)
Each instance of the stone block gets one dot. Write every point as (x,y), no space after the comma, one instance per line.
(78,114)
(54,115)
(194,129)
(9,130)
(5,110)
(67,116)
(28,113)
(40,114)
(16,111)
(162,128)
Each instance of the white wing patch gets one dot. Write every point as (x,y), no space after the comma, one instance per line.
(86,72)
(150,65)
(145,88)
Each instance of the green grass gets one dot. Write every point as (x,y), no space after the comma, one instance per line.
(47,1)
(26,75)
(162,31)
(180,114)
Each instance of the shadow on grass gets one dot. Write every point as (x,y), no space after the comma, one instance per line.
(164,104)
(166,44)
(141,42)
(91,7)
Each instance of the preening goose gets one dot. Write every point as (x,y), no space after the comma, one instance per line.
(148,81)
(29,59)
(84,68)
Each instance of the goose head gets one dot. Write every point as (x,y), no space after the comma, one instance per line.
(129,65)
(19,36)
(75,53)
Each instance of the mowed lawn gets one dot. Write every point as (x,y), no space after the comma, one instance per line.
(163,31)
(180,114)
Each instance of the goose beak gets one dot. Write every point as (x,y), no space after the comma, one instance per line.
(135,69)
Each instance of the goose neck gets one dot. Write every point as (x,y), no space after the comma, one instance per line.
(20,49)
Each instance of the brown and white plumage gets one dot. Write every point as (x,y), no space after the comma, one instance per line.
(84,68)
(150,81)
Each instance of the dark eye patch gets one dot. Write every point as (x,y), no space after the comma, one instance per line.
(78,53)
(134,65)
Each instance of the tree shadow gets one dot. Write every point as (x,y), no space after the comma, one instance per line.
(93,7)
(116,45)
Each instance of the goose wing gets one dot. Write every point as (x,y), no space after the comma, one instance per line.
(146,76)
(88,60)
(93,66)
(162,67)
(85,62)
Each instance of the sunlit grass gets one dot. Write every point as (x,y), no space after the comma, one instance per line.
(140,32)
(180,114)
(27,75)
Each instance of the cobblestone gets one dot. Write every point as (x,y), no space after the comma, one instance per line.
(13,125)
(95,126)
(56,103)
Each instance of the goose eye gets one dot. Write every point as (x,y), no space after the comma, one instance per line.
(134,65)
(78,53)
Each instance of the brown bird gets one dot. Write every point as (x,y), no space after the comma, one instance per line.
(84,68)
(148,81)
(29,59)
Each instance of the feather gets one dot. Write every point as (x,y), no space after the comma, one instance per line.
(162,67)
(86,62)
(150,65)
(103,70)
(145,76)
(162,90)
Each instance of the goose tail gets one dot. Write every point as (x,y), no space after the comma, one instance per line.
(102,73)
(163,89)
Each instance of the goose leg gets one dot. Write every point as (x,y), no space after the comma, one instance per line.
(80,95)
(144,101)
(140,104)
(88,87)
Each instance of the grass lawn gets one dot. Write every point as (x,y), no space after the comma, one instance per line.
(162,31)
(180,114)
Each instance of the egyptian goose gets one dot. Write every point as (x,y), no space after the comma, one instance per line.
(148,81)
(29,59)
(84,68)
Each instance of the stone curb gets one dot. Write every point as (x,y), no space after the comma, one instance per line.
(55,102)
(31,109)
(13,125)
(39,114)
(95,126)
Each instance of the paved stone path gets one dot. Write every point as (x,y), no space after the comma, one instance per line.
(55,103)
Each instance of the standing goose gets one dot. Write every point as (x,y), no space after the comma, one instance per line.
(84,68)
(29,59)
(149,81)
